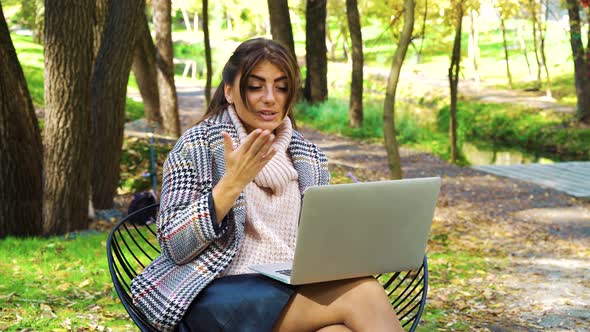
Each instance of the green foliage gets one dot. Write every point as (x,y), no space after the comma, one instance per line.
(135,162)
(517,126)
(332,116)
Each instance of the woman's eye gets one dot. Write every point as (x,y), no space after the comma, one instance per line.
(254,87)
(283,88)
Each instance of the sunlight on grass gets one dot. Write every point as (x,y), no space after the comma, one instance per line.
(56,283)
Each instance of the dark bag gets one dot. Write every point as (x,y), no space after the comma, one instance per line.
(141,200)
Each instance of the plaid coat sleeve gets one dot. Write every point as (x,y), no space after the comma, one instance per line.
(185,223)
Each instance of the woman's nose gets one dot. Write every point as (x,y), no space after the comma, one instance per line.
(269,96)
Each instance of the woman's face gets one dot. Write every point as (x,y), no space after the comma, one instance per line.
(266,93)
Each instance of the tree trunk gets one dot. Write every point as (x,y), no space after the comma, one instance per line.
(505,43)
(316,82)
(422,33)
(165,57)
(391,144)
(524,49)
(542,34)
(207,51)
(21,152)
(100,16)
(280,23)
(454,80)
(146,74)
(580,61)
(356,84)
(533,9)
(108,97)
(68,68)
(474,45)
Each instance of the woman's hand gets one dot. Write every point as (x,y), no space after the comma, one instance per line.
(241,167)
(244,163)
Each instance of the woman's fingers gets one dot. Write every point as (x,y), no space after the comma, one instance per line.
(250,139)
(227,143)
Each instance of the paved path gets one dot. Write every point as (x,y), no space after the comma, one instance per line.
(572,178)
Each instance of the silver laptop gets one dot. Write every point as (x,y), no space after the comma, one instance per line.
(361,229)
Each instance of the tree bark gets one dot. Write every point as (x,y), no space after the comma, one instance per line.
(280,23)
(316,82)
(108,97)
(21,152)
(356,84)
(100,16)
(505,43)
(391,144)
(454,79)
(165,57)
(144,69)
(68,68)
(581,65)
(206,38)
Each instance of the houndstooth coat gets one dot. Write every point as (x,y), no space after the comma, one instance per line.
(194,248)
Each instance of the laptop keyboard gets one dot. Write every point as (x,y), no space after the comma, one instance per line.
(285,272)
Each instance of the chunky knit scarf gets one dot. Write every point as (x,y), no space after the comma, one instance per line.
(279,170)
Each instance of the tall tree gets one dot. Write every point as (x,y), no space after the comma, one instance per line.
(454,75)
(280,23)
(532,5)
(316,58)
(356,85)
(391,144)
(207,51)
(523,47)
(506,54)
(144,69)
(21,153)
(168,99)
(506,9)
(581,60)
(68,68)
(542,27)
(108,97)
(422,33)
(473,46)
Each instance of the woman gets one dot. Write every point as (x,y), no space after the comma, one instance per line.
(231,195)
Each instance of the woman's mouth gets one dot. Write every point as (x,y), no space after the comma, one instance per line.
(268,115)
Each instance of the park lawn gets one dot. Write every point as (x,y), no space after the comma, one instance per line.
(58,284)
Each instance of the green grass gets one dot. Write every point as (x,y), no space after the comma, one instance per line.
(54,283)
(30,56)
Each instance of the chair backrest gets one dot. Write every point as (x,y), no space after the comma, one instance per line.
(407,292)
(130,248)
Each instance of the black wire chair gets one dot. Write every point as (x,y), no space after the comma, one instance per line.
(131,247)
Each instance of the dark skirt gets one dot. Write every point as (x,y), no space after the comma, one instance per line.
(245,302)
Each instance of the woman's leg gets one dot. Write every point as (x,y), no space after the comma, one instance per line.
(335,328)
(359,304)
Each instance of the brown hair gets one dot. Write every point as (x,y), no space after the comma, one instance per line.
(246,56)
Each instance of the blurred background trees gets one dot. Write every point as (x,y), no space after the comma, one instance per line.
(362,61)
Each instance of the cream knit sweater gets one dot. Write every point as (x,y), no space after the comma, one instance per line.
(272,207)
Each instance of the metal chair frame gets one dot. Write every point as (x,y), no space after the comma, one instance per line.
(131,247)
